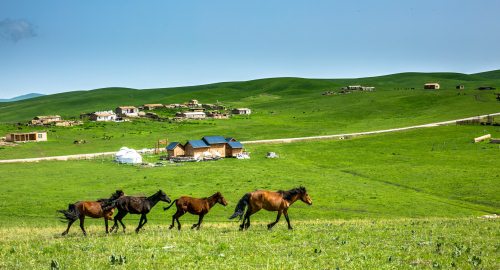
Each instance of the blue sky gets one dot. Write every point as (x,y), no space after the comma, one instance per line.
(58,46)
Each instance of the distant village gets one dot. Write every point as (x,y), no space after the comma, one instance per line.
(192,110)
(429,86)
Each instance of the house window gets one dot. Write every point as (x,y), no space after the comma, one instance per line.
(40,136)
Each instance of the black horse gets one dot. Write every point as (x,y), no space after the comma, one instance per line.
(137,205)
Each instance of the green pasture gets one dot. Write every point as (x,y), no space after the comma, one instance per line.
(465,243)
(435,172)
(402,200)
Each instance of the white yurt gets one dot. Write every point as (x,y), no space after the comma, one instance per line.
(128,156)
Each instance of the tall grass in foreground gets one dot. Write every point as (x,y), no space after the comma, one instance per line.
(355,244)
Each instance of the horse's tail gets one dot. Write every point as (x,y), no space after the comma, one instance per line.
(168,207)
(240,207)
(71,214)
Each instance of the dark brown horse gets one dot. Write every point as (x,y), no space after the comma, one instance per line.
(271,201)
(137,205)
(194,206)
(94,209)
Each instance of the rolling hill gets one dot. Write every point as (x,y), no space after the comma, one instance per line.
(23,97)
(71,104)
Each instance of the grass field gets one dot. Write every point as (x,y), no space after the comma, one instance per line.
(405,200)
(338,244)
(419,209)
(283,107)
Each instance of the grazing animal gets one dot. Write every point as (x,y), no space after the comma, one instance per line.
(94,209)
(271,201)
(137,205)
(194,206)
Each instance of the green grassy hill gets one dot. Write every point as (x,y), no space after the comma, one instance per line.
(71,104)
(282,107)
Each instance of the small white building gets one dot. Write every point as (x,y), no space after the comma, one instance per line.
(435,86)
(241,111)
(191,115)
(103,116)
(127,111)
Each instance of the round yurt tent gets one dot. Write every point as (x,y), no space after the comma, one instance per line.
(128,156)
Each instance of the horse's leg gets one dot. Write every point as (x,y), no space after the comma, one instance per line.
(106,224)
(121,222)
(69,226)
(82,220)
(115,224)
(200,219)
(285,212)
(176,217)
(144,220)
(271,225)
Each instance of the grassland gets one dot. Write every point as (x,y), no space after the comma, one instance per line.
(339,244)
(283,107)
(402,200)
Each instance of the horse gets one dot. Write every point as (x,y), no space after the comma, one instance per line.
(271,201)
(94,209)
(194,206)
(137,205)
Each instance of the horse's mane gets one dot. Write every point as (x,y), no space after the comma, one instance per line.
(288,194)
(115,196)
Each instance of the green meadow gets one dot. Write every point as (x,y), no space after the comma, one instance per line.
(403,200)
(282,108)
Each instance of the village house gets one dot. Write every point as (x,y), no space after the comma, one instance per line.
(150,107)
(191,115)
(214,107)
(175,106)
(435,86)
(193,103)
(217,115)
(127,111)
(233,147)
(358,88)
(36,136)
(42,120)
(196,148)
(68,123)
(103,116)
(241,111)
(460,87)
(217,145)
(175,149)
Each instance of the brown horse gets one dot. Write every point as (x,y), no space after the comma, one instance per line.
(137,205)
(271,201)
(93,209)
(194,206)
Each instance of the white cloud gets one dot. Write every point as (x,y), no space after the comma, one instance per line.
(15,30)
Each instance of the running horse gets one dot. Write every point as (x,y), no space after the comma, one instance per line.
(194,206)
(271,201)
(137,205)
(94,209)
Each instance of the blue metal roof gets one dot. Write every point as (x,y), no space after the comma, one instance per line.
(172,145)
(235,145)
(198,144)
(214,139)
(230,139)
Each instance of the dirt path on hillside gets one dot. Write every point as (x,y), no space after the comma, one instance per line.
(283,140)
